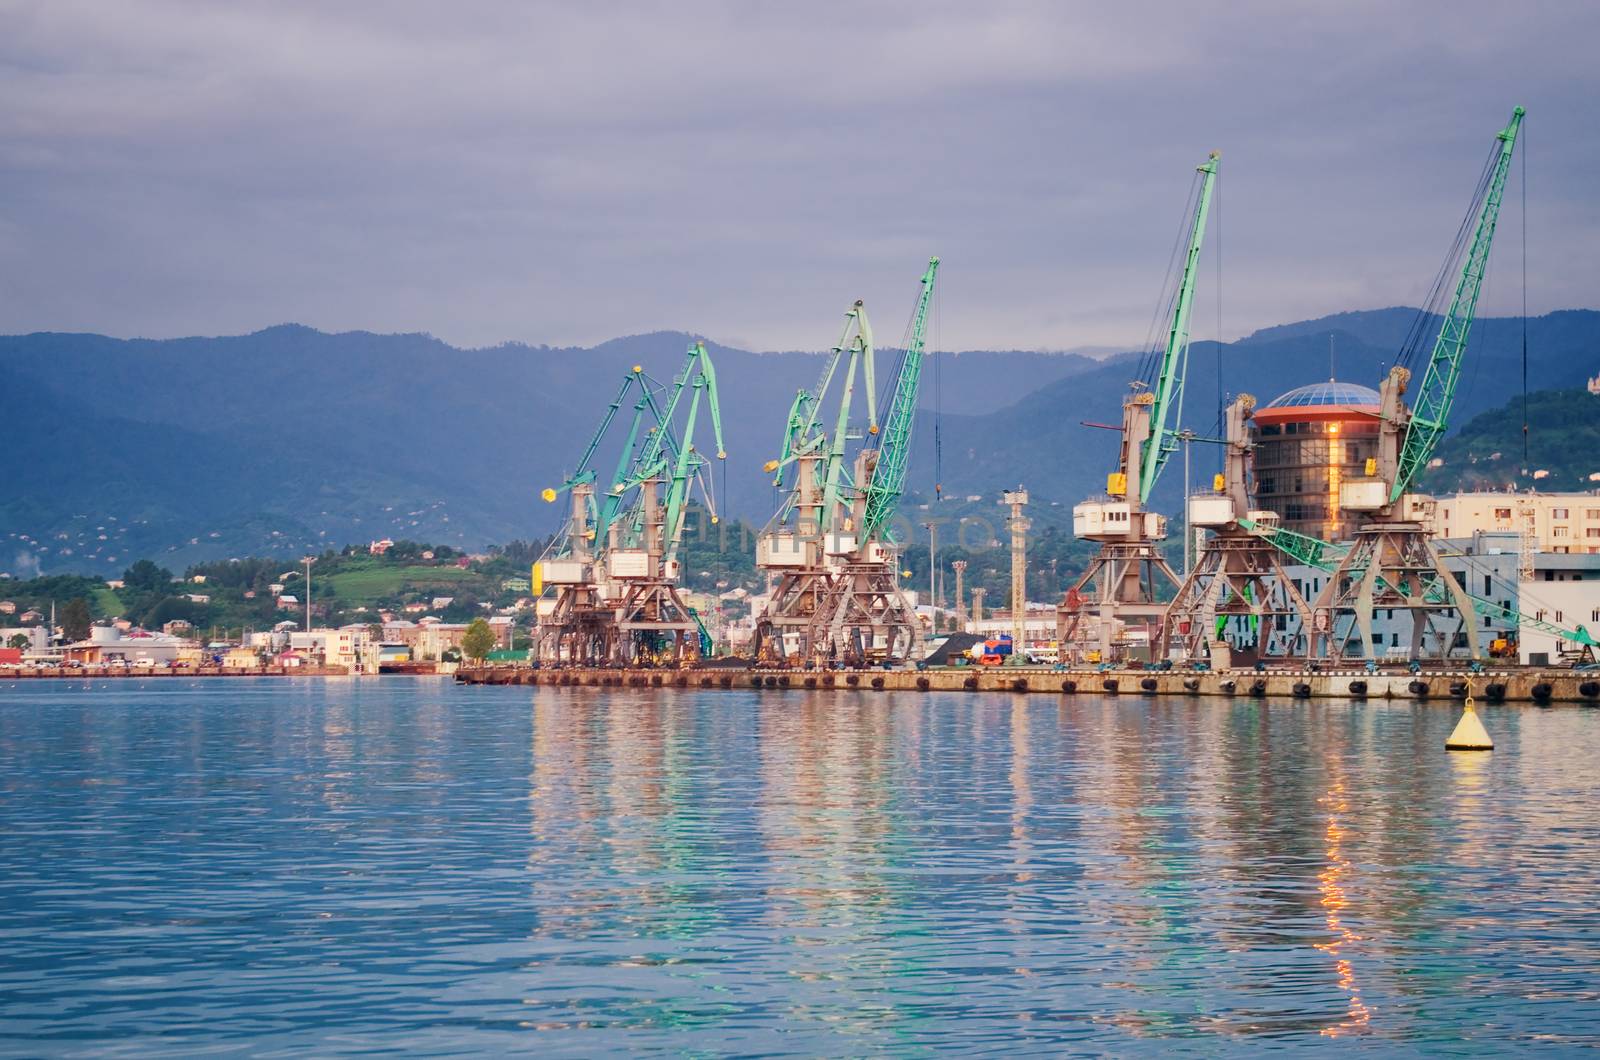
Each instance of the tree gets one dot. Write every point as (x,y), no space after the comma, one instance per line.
(145,576)
(478,640)
(75,619)
(174,607)
(19,641)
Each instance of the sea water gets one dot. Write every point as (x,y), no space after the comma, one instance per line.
(330,866)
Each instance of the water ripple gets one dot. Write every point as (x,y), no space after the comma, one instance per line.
(287,866)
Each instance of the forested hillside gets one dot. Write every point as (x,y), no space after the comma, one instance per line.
(290,440)
(1563,447)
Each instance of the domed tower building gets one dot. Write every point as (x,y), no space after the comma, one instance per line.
(1308,442)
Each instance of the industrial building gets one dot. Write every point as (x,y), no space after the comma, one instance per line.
(1308,443)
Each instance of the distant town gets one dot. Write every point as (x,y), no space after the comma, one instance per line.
(391,606)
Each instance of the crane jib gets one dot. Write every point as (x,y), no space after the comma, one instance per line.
(1167,407)
(889,476)
(1430,413)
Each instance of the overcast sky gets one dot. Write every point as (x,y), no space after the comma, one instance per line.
(567,173)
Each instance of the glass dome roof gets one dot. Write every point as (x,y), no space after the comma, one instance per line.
(1328,393)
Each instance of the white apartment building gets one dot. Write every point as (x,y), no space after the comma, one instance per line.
(1560,522)
(338,647)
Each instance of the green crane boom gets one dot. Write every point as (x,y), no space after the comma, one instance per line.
(585,473)
(889,477)
(1168,394)
(605,513)
(1430,410)
(666,455)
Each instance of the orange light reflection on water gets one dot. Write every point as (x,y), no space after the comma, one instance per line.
(1334,901)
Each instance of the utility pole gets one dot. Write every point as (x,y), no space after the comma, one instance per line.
(308,561)
(1016,499)
(960,567)
(1187,436)
(933,573)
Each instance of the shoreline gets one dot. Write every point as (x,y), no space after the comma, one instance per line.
(1535,686)
(116,673)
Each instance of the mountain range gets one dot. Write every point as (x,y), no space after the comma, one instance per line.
(290,439)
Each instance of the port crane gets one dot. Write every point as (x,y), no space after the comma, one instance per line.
(574,623)
(651,616)
(613,569)
(837,598)
(1121,584)
(814,475)
(1393,564)
(1329,557)
(1238,580)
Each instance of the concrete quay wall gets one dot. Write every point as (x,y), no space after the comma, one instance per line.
(1493,686)
(80,673)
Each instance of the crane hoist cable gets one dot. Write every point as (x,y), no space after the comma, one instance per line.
(1523,187)
(938,410)
(1434,304)
(1149,351)
(1430,409)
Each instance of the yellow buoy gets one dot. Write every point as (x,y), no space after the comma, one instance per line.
(1469,733)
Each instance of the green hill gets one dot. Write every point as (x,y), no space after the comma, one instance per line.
(1563,447)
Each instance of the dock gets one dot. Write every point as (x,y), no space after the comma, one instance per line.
(1534,686)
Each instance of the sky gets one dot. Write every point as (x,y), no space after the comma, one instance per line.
(567,173)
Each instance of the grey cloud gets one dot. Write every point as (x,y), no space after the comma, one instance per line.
(570,172)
